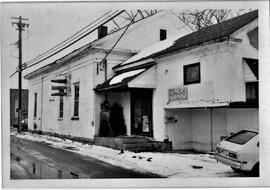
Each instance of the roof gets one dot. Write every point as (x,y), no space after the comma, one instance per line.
(120,81)
(111,37)
(211,33)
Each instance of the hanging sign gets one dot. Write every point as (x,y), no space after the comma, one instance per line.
(178,94)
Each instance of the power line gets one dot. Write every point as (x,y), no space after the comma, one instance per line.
(73,37)
(115,14)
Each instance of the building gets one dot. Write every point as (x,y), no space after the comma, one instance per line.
(194,90)
(14,103)
(73,109)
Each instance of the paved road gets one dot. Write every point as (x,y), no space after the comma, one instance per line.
(36,160)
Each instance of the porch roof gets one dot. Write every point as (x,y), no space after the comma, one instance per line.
(125,80)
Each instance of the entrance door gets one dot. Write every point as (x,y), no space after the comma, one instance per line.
(141,112)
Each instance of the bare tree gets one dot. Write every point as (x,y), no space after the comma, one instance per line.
(198,19)
(128,16)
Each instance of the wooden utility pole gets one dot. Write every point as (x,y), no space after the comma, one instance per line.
(20,28)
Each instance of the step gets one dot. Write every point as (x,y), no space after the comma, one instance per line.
(137,145)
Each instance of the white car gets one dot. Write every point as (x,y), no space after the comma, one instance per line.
(240,151)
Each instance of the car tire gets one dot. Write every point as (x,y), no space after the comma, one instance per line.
(237,170)
(255,172)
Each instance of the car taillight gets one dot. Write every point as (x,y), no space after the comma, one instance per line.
(232,155)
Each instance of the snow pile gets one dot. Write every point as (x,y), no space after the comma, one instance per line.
(170,165)
(122,76)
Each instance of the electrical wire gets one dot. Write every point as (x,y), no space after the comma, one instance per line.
(115,14)
(72,42)
(74,35)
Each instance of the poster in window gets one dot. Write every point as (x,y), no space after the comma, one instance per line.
(145,123)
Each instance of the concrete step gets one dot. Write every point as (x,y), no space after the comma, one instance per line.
(127,140)
(138,147)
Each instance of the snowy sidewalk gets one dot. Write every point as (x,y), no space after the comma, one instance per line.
(171,165)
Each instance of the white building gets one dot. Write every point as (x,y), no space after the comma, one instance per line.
(194,90)
(77,112)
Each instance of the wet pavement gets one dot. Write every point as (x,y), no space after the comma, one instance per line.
(37,160)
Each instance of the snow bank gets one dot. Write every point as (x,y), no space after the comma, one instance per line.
(172,165)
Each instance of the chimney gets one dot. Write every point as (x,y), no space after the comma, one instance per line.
(102,31)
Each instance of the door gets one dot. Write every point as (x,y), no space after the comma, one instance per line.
(141,110)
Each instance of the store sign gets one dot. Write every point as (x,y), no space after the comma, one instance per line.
(178,94)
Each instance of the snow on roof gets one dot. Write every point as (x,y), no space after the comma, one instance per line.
(156,47)
(119,78)
(213,32)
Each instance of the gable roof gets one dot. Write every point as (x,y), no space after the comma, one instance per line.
(103,43)
(211,33)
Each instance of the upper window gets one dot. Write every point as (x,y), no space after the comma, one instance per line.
(35,105)
(163,34)
(61,107)
(192,73)
(76,99)
(252,91)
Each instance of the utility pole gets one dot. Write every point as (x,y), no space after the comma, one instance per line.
(20,28)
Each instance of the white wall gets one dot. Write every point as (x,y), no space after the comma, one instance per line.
(179,131)
(81,71)
(193,127)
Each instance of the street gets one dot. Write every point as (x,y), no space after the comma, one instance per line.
(37,160)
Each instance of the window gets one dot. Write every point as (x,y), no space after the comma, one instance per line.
(76,99)
(192,74)
(61,107)
(163,34)
(252,91)
(242,137)
(35,105)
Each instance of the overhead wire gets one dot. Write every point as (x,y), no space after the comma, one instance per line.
(113,15)
(69,44)
(68,39)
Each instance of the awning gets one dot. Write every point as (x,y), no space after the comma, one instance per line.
(138,78)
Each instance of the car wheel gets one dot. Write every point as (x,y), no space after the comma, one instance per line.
(255,172)
(237,170)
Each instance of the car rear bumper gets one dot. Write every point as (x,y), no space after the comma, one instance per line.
(228,162)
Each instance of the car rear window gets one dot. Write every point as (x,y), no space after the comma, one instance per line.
(241,137)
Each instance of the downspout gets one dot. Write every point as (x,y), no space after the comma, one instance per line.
(41,107)
(211,126)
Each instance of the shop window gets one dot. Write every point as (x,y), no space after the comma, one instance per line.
(192,74)
(76,99)
(252,91)
(61,107)
(35,104)
(163,34)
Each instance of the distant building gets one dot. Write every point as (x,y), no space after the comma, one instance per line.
(14,102)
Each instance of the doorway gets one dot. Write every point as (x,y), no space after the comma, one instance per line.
(141,112)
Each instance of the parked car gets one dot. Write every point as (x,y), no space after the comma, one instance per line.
(240,151)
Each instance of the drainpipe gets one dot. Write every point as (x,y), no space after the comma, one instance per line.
(211,126)
(42,81)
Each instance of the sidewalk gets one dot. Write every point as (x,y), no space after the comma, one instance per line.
(171,165)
